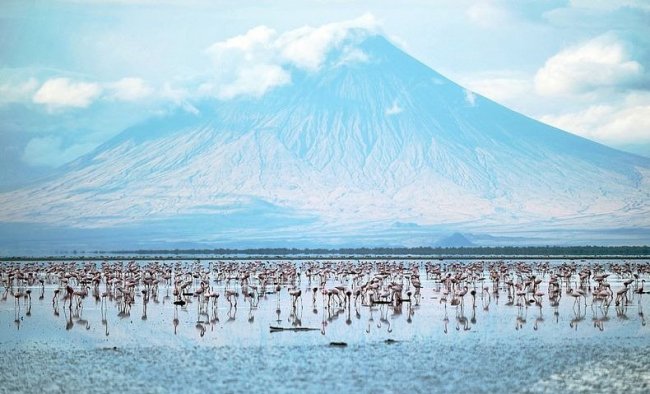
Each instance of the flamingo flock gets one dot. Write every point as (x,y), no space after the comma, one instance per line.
(336,287)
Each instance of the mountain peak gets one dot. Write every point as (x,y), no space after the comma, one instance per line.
(455,240)
(372,55)
(357,141)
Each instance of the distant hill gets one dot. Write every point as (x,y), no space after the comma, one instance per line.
(455,240)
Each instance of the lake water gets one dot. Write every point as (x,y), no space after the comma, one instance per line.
(156,346)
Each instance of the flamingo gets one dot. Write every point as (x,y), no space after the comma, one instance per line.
(230,295)
(55,298)
(295,295)
(621,294)
(70,293)
(639,290)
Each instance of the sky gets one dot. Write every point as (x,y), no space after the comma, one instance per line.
(74,73)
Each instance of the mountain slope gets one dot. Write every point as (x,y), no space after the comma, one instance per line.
(345,154)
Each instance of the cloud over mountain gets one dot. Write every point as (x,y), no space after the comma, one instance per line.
(62,92)
(600,63)
(261,59)
(381,150)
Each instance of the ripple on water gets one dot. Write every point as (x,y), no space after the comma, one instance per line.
(482,366)
(495,347)
(627,373)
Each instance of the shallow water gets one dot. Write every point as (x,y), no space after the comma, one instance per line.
(493,346)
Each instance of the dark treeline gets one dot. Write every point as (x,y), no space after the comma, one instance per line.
(418,251)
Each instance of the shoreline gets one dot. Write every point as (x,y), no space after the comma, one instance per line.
(320,257)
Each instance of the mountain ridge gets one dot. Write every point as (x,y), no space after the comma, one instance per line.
(345,152)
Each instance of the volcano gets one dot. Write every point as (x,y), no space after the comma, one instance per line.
(381,150)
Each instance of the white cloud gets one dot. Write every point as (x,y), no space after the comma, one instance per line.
(50,151)
(255,81)
(400,43)
(488,14)
(602,62)
(174,94)
(246,65)
(261,59)
(143,2)
(249,43)
(352,55)
(615,117)
(502,87)
(129,89)
(470,98)
(307,47)
(613,124)
(609,5)
(179,97)
(394,109)
(18,92)
(62,92)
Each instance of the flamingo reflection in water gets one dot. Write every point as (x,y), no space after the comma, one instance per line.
(578,317)
(340,284)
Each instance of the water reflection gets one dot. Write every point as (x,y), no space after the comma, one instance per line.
(539,319)
(461,320)
(384,296)
(621,312)
(578,317)
(522,314)
(641,315)
(68,318)
(104,316)
(232,313)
